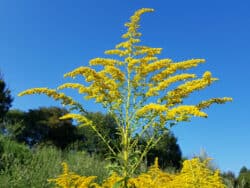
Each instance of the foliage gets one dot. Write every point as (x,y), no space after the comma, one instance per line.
(138,90)
(244,178)
(43,164)
(168,152)
(242,181)
(40,126)
(31,168)
(12,152)
(244,170)
(5,98)
(87,140)
(193,174)
(14,124)
(24,126)
(229,179)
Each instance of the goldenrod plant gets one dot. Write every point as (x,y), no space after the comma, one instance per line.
(139,90)
(194,173)
(70,179)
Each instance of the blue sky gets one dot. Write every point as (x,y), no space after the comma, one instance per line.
(42,40)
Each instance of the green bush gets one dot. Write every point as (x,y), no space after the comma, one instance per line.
(23,167)
(12,152)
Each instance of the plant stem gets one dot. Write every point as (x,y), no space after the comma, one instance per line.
(103,139)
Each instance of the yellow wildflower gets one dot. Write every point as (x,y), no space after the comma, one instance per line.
(115,72)
(69,179)
(196,173)
(165,83)
(207,103)
(157,65)
(181,113)
(173,67)
(78,86)
(150,52)
(176,96)
(105,62)
(80,118)
(120,53)
(89,73)
(151,107)
(50,93)
(133,24)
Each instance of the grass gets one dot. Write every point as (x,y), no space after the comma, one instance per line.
(22,167)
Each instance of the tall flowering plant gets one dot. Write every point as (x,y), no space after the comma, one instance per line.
(139,90)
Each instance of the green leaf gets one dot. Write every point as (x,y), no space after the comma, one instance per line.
(118,184)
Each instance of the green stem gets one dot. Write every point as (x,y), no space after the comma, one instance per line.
(150,144)
(103,139)
(126,132)
(141,133)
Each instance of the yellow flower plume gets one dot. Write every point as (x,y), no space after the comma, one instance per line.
(65,100)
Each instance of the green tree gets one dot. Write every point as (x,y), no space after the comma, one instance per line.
(134,88)
(244,178)
(243,170)
(14,123)
(89,141)
(229,179)
(5,98)
(41,126)
(44,126)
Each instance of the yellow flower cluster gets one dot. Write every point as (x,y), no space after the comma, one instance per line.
(179,113)
(182,113)
(91,93)
(111,181)
(89,73)
(80,87)
(151,107)
(71,179)
(176,96)
(157,65)
(195,173)
(132,62)
(116,73)
(154,178)
(65,100)
(150,52)
(118,52)
(80,118)
(145,67)
(207,103)
(104,91)
(105,62)
(103,88)
(142,69)
(133,25)
(173,67)
(132,37)
(127,44)
(165,83)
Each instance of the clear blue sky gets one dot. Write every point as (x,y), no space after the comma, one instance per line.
(41,40)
